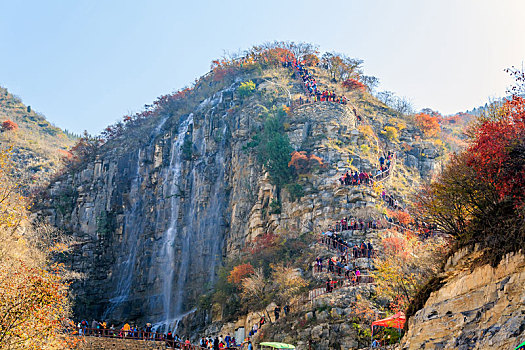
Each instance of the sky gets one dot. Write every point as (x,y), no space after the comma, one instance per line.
(85,64)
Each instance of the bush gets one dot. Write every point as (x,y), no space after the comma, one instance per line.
(295,190)
(304,163)
(275,206)
(274,150)
(9,125)
(246,89)
(429,125)
(390,133)
(187,149)
(354,84)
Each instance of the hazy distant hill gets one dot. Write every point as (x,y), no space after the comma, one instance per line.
(37,145)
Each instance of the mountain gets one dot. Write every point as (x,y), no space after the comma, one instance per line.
(38,146)
(243,164)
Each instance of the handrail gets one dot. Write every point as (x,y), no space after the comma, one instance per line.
(140,335)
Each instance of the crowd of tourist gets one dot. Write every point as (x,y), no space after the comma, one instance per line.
(310,84)
(357,178)
(354,224)
(218,342)
(336,242)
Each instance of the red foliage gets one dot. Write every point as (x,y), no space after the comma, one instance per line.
(354,84)
(9,125)
(263,242)
(428,124)
(304,163)
(239,272)
(497,150)
(402,217)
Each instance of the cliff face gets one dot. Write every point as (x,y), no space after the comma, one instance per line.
(154,217)
(482,308)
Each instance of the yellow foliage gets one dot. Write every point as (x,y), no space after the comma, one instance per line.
(391,133)
(398,123)
(33,294)
(367,131)
(288,281)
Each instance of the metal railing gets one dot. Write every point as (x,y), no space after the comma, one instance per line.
(141,335)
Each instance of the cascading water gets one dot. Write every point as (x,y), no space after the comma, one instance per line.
(200,223)
(172,236)
(133,227)
(174,175)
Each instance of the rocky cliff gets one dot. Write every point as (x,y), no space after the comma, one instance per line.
(158,210)
(476,308)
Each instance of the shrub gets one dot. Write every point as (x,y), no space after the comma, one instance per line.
(9,125)
(429,125)
(304,163)
(295,190)
(311,60)
(187,149)
(390,133)
(275,206)
(239,272)
(273,151)
(354,84)
(246,89)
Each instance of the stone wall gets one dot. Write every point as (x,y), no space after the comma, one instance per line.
(97,343)
(480,308)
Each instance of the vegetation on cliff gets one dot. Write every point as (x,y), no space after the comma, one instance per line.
(37,145)
(34,299)
(479,198)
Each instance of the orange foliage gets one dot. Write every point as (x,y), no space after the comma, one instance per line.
(65,154)
(311,60)
(354,84)
(402,217)
(240,272)
(9,125)
(428,124)
(304,163)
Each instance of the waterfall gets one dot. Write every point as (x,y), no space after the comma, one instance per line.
(173,174)
(133,227)
(200,223)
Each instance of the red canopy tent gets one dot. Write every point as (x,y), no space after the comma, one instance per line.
(395,321)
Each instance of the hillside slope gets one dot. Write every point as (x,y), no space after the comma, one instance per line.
(38,146)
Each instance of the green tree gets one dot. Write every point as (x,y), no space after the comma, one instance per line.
(274,151)
(246,89)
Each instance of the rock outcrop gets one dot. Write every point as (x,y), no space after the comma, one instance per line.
(479,308)
(156,212)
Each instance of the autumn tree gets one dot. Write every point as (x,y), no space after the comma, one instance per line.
(304,163)
(34,302)
(354,84)
(253,286)
(340,66)
(288,281)
(428,124)
(246,89)
(406,263)
(239,272)
(9,125)
(479,198)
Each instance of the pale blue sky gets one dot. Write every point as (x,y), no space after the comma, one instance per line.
(84,64)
